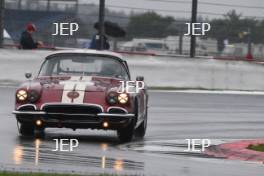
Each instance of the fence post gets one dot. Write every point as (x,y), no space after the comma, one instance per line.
(2,9)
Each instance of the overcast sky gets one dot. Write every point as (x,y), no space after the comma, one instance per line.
(216,9)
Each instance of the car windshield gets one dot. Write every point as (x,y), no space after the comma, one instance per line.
(86,65)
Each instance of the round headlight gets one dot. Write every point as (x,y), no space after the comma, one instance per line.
(123,98)
(112,98)
(21,95)
(33,96)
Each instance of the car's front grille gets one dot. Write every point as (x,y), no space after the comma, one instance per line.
(27,108)
(72,109)
(116,110)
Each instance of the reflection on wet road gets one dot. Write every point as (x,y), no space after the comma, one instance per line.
(39,151)
(173,117)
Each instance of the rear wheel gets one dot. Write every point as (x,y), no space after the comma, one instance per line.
(26,129)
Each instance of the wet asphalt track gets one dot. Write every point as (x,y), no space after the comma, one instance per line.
(173,117)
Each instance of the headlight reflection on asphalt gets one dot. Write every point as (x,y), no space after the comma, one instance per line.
(103,162)
(37,144)
(104,146)
(118,166)
(18,154)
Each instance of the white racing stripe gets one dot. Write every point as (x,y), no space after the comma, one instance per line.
(81,90)
(68,87)
(77,84)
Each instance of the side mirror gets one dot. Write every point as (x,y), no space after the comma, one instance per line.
(140,78)
(28,75)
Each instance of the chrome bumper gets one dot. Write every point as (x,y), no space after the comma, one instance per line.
(64,114)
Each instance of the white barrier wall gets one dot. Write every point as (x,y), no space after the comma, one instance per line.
(158,71)
(199,73)
(14,64)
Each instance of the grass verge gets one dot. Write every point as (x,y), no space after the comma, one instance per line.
(259,147)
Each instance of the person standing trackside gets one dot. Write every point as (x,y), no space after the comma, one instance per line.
(26,40)
(95,42)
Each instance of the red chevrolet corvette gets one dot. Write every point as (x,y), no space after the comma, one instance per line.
(81,89)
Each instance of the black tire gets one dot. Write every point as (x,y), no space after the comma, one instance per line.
(126,134)
(141,130)
(26,129)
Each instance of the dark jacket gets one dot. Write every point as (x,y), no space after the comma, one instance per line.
(95,43)
(27,42)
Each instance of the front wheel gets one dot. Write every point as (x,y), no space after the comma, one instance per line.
(141,130)
(126,134)
(26,129)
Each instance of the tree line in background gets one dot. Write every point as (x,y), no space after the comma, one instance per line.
(232,28)
(150,25)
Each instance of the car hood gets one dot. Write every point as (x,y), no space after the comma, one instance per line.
(79,83)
